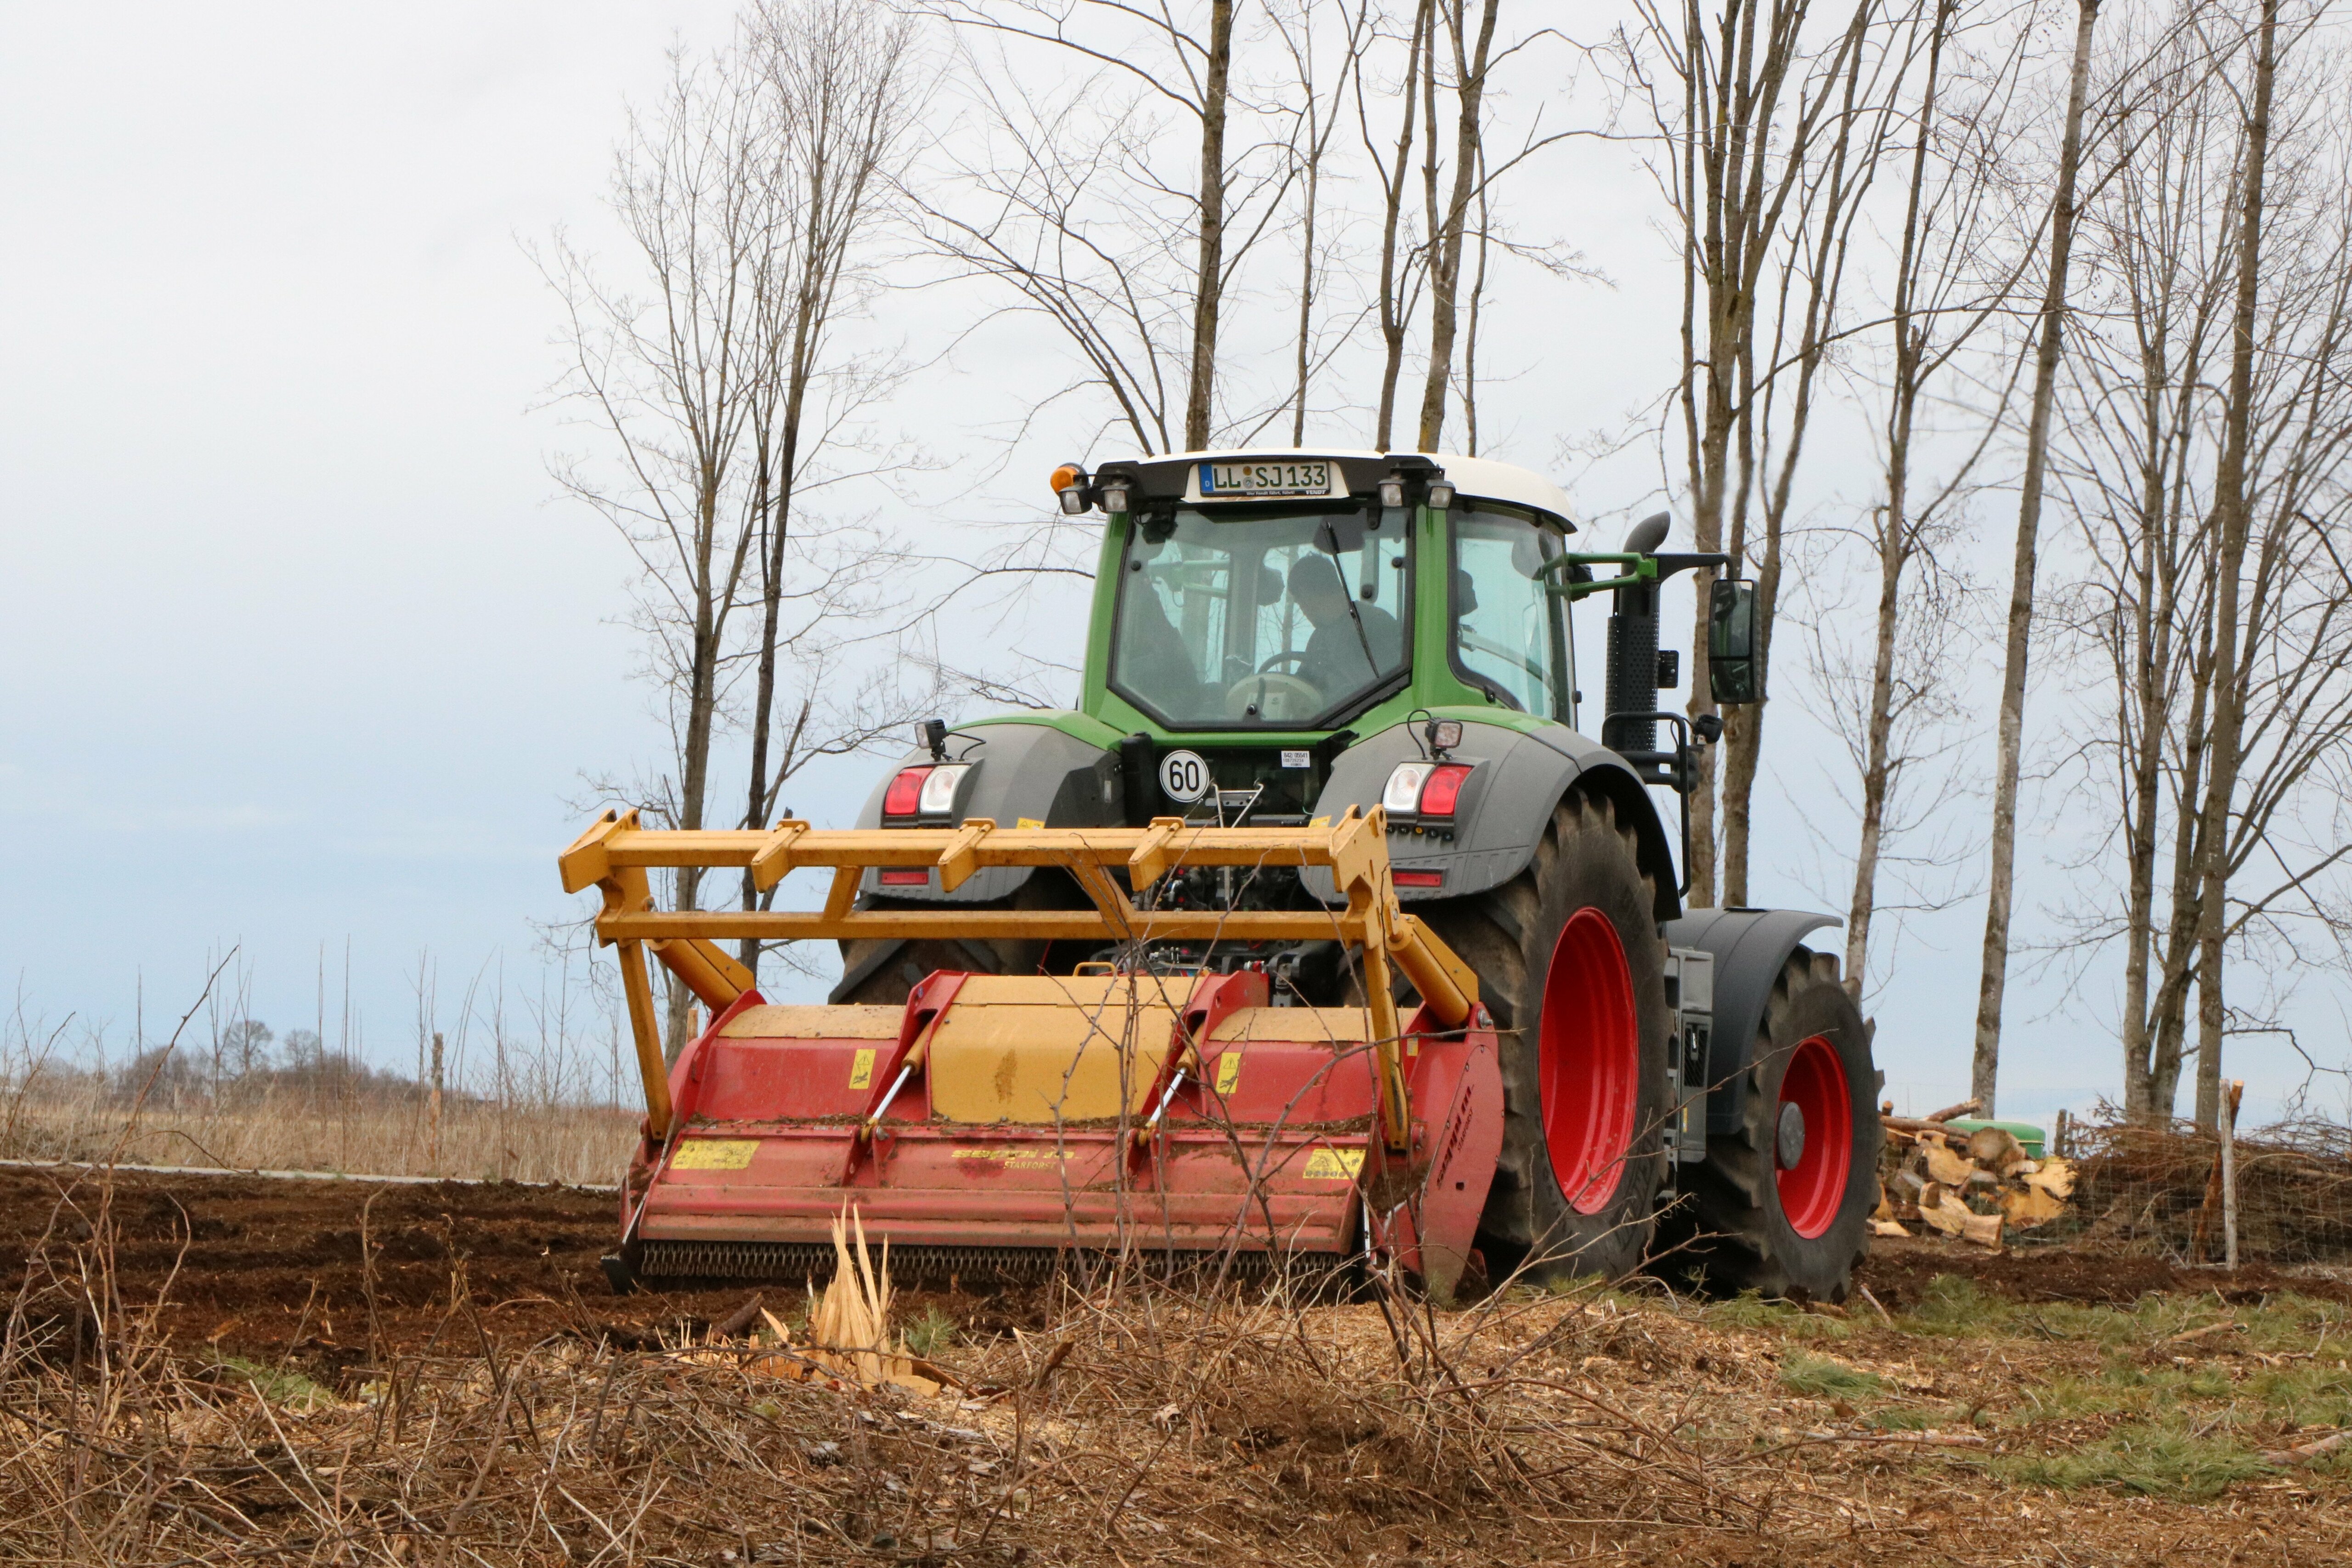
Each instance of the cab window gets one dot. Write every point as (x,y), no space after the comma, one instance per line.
(1509,635)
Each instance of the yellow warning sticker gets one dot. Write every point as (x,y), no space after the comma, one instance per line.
(1027,822)
(715,1155)
(861,1069)
(1334,1164)
(1228,1072)
(1319,822)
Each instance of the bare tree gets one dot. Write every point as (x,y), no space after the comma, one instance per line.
(837,78)
(1401,258)
(1068,202)
(2149,439)
(697,376)
(1318,121)
(1943,294)
(673,378)
(1741,102)
(2232,518)
(1984,1070)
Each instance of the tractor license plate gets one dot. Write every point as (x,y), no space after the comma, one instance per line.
(1223,480)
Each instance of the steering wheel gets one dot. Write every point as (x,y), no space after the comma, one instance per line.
(1278,660)
(1277,697)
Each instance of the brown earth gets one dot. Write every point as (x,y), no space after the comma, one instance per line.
(271,1272)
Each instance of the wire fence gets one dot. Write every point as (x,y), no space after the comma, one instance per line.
(2158,1189)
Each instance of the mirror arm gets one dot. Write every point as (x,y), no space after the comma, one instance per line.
(1646,569)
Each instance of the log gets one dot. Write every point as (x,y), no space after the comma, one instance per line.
(2310,1450)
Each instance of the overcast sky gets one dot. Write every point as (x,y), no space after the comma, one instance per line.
(301,652)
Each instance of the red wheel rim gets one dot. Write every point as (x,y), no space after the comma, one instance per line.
(1813,1188)
(1589,1061)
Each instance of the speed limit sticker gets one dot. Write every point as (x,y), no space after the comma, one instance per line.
(1184,776)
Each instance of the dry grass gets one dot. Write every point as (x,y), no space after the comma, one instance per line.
(576,1144)
(1159,1426)
(1148,1425)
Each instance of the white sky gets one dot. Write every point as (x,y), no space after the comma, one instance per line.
(300,651)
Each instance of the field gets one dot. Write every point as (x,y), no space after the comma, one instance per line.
(205,1370)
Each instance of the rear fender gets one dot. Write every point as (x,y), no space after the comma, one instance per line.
(1521,777)
(1019,772)
(1750,947)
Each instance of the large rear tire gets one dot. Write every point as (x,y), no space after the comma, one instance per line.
(1571,966)
(1782,1204)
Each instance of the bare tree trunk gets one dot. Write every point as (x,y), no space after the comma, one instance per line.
(1445,240)
(1208,277)
(1396,306)
(1993,977)
(2230,510)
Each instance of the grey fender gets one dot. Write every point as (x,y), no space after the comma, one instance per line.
(1749,947)
(1018,771)
(1521,777)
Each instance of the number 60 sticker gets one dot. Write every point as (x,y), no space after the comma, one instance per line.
(1184,776)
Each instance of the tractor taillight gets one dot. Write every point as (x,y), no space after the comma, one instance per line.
(1424,789)
(938,798)
(902,879)
(1402,796)
(905,795)
(1418,879)
(1443,790)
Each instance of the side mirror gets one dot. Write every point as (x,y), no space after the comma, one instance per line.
(1734,674)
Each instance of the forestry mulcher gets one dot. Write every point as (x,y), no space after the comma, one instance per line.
(1318,935)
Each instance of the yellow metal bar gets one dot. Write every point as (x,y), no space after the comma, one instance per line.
(704,969)
(1388,1054)
(1051,925)
(616,852)
(775,858)
(1448,987)
(638,985)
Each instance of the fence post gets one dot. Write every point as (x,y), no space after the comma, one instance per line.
(433,1157)
(2230,1174)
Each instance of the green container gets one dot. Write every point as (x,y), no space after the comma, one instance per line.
(2030,1137)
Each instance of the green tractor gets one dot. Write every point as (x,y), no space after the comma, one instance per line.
(1279,637)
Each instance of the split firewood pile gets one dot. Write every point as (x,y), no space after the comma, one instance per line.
(1974,1185)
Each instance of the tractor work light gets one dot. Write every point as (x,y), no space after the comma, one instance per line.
(1114,497)
(1392,491)
(1444,735)
(1070,488)
(1441,494)
(1422,790)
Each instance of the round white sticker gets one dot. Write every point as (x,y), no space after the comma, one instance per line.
(1184,776)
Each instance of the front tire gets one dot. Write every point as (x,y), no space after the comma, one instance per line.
(1570,963)
(1782,1204)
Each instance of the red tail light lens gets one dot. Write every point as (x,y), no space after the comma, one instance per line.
(1418,878)
(906,792)
(906,879)
(1439,796)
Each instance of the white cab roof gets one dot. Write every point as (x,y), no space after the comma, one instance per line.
(1482,479)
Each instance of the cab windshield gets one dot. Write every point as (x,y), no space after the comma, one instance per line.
(1285,618)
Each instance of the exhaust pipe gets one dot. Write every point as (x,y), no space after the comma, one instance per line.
(1632,677)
